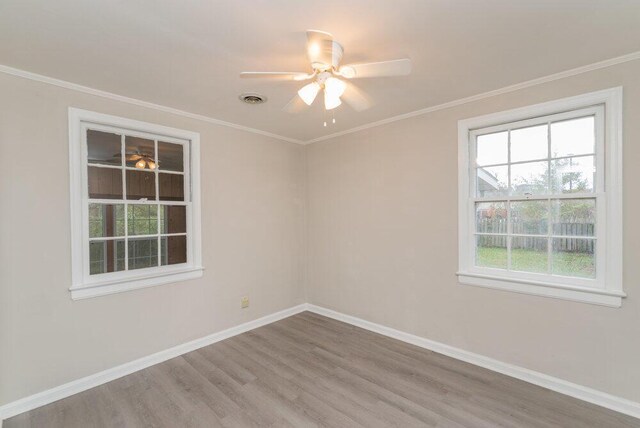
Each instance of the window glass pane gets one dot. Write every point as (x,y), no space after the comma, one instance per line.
(573,137)
(491,217)
(171,187)
(574,257)
(491,149)
(106,256)
(140,153)
(574,217)
(174,250)
(142,219)
(491,251)
(170,157)
(106,220)
(492,181)
(529,217)
(143,253)
(104,148)
(529,178)
(173,219)
(529,254)
(529,143)
(141,185)
(573,175)
(104,183)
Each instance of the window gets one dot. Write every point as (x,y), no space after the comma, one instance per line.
(134,204)
(540,199)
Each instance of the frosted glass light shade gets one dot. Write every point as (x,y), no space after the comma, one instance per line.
(331,102)
(334,88)
(308,93)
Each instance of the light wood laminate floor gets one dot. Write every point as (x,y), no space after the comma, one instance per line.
(308,370)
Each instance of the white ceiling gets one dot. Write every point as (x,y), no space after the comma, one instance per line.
(187,54)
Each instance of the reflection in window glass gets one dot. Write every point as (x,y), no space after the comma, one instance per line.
(106,256)
(174,249)
(492,149)
(104,183)
(140,153)
(171,187)
(573,137)
(529,143)
(132,221)
(104,148)
(142,219)
(141,185)
(173,219)
(170,157)
(143,253)
(106,220)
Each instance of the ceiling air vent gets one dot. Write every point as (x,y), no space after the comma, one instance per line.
(253,98)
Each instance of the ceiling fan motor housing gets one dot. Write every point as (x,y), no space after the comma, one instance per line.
(328,76)
(327,56)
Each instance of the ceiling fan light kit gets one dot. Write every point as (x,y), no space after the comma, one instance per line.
(331,102)
(309,92)
(142,160)
(148,163)
(325,55)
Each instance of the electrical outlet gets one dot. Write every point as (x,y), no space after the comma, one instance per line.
(244,302)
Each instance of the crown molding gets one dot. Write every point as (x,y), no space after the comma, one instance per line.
(109,95)
(511,88)
(529,83)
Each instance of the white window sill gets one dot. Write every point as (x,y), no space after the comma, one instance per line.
(577,294)
(120,285)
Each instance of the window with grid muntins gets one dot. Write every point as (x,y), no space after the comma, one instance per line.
(136,200)
(536,191)
(540,199)
(136,204)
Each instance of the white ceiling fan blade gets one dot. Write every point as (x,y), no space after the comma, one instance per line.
(356,99)
(296,105)
(283,75)
(322,49)
(398,67)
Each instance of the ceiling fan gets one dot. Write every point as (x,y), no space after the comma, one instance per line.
(327,74)
(142,160)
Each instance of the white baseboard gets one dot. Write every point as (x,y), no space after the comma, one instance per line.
(580,392)
(54,394)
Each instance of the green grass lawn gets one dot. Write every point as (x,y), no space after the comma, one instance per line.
(564,263)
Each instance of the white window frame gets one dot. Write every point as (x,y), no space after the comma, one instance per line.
(607,288)
(85,285)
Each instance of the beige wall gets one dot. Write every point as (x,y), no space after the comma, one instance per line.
(382,245)
(252,219)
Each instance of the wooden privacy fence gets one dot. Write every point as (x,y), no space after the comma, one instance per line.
(574,232)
